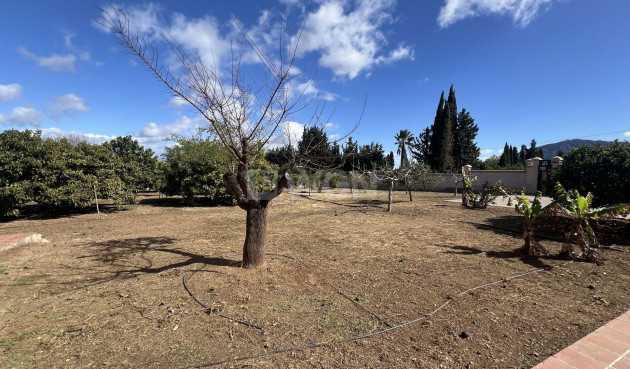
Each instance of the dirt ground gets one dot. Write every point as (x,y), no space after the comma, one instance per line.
(346,285)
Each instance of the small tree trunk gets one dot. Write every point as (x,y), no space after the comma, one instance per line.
(567,247)
(255,236)
(409,192)
(527,247)
(351,182)
(389,202)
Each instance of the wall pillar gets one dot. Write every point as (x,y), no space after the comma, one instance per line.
(531,169)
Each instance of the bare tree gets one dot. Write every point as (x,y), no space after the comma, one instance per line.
(414,174)
(244,116)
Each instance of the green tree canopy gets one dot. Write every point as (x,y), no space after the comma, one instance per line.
(604,171)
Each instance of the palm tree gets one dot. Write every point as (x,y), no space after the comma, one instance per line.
(404,138)
(578,209)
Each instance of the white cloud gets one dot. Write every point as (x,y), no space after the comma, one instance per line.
(152,133)
(67,104)
(331,126)
(350,41)
(290,134)
(309,89)
(201,36)
(58,63)
(10,92)
(626,135)
(521,11)
(177,102)
(23,116)
(486,153)
(67,38)
(347,35)
(96,138)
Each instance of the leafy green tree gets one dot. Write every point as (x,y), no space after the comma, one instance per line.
(281,156)
(604,171)
(194,167)
(491,163)
(335,180)
(20,163)
(314,150)
(465,150)
(404,139)
(370,156)
(140,168)
(57,173)
(421,147)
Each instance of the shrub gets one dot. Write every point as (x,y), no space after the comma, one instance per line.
(335,180)
(604,171)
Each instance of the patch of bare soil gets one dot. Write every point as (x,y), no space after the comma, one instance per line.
(346,285)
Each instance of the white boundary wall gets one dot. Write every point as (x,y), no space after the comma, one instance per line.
(516,179)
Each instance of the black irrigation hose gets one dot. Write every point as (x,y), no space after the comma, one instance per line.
(208,309)
(365,336)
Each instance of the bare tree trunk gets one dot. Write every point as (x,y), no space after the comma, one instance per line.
(409,192)
(391,189)
(351,180)
(255,236)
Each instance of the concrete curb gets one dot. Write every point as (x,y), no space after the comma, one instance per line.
(9,241)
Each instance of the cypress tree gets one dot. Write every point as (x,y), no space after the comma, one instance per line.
(515,160)
(503,160)
(533,150)
(523,154)
(390,160)
(465,150)
(438,133)
(450,126)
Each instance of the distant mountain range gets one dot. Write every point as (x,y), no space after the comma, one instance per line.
(550,150)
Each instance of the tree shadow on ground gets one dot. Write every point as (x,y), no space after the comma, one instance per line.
(37,212)
(512,225)
(179,202)
(123,259)
(552,228)
(118,253)
(534,261)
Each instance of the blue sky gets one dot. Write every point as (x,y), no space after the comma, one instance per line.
(543,69)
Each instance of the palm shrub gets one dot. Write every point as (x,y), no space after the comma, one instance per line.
(532,210)
(480,200)
(578,209)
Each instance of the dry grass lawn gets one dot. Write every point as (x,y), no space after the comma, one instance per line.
(111,293)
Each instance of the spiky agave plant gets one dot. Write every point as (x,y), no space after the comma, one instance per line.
(578,208)
(532,210)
